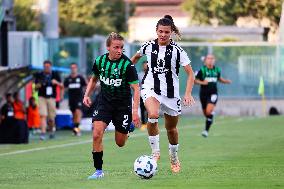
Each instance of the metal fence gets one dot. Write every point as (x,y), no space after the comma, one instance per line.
(243,63)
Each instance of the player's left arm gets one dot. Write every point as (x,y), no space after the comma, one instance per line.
(221,79)
(136,100)
(188,100)
(132,79)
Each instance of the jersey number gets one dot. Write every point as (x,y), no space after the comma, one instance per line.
(125,121)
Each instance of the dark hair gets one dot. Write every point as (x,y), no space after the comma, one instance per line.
(73,63)
(113,36)
(47,62)
(168,21)
(8,95)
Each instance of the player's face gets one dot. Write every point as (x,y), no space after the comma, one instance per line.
(115,49)
(210,61)
(164,33)
(74,69)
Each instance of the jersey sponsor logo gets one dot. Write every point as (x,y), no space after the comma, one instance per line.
(74,85)
(108,81)
(160,68)
(211,79)
(78,80)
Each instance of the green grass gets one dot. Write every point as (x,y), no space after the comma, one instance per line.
(239,153)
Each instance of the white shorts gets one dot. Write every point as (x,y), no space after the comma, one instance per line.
(169,106)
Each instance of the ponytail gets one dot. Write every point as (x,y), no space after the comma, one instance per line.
(168,21)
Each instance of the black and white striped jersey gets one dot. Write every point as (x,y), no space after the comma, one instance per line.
(163,67)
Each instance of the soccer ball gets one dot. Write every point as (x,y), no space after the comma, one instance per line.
(145,167)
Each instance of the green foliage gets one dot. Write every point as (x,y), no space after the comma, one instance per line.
(27,19)
(76,17)
(228,11)
(86,18)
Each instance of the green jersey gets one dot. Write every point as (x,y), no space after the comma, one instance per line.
(210,75)
(115,76)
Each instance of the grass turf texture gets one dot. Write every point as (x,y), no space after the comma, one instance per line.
(239,153)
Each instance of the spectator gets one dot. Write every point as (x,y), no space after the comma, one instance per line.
(20,116)
(46,82)
(33,117)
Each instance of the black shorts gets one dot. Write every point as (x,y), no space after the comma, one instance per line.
(119,112)
(75,104)
(208,98)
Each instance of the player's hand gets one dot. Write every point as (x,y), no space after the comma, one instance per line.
(87,101)
(229,81)
(136,119)
(188,100)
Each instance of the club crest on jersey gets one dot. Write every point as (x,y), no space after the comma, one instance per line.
(160,68)
(115,72)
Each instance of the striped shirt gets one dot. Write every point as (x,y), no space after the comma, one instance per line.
(115,76)
(163,67)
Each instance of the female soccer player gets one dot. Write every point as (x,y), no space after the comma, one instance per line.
(160,86)
(117,76)
(207,77)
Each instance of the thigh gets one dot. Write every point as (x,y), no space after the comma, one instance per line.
(122,118)
(51,107)
(152,106)
(42,102)
(103,111)
(171,106)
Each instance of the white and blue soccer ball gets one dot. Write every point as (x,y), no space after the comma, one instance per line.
(145,167)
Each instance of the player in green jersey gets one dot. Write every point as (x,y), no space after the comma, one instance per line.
(207,77)
(117,76)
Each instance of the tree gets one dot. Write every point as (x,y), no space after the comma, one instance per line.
(27,19)
(76,17)
(85,18)
(228,11)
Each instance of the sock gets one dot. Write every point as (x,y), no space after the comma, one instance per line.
(154,142)
(76,125)
(98,160)
(209,121)
(173,149)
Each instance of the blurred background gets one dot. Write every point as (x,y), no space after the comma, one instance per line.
(247,38)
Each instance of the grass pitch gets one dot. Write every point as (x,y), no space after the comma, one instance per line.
(239,153)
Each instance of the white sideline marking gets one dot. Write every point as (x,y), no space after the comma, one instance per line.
(107,138)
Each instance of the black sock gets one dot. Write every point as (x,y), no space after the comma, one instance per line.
(76,125)
(209,121)
(98,160)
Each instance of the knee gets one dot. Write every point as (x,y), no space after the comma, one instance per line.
(153,114)
(97,135)
(208,112)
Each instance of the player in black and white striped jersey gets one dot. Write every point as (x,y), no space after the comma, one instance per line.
(160,86)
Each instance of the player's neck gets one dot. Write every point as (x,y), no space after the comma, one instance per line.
(74,74)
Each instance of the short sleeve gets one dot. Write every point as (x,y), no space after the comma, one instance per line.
(95,69)
(132,76)
(66,82)
(57,76)
(184,60)
(199,75)
(218,72)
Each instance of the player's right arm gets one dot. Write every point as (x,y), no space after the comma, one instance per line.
(90,88)
(91,84)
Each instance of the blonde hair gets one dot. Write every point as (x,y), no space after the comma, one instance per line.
(113,36)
